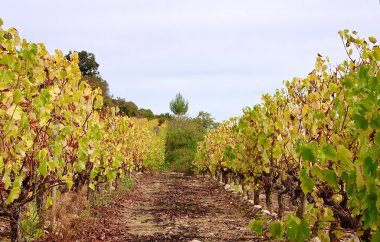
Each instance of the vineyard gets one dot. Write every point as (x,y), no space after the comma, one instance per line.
(314,144)
(317,142)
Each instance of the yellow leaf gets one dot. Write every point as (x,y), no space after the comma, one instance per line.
(372,39)
(305,109)
(315,105)
(91,185)
(377,53)
(15,112)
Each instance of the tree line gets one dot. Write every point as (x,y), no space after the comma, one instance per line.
(90,73)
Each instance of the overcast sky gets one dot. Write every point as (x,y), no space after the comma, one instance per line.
(221,55)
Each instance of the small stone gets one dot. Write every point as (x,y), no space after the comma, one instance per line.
(257,206)
(351,237)
(315,239)
(266,212)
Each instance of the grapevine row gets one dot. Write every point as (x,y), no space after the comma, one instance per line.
(317,140)
(55,131)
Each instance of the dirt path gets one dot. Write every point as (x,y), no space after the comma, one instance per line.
(174,207)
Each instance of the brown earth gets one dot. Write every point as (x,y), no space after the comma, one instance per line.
(173,207)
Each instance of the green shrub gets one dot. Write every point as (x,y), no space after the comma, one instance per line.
(181,142)
(30,224)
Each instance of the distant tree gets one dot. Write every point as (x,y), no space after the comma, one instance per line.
(145,113)
(89,69)
(87,63)
(206,120)
(179,105)
(130,109)
(126,107)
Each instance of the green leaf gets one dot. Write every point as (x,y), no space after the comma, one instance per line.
(21,149)
(6,179)
(329,151)
(256,226)
(81,165)
(359,179)
(229,152)
(344,156)
(370,167)
(43,168)
(376,236)
(304,231)
(45,96)
(377,138)
(96,134)
(298,230)
(331,178)
(263,140)
(360,121)
(307,184)
(376,121)
(13,195)
(49,202)
(8,77)
(276,229)
(316,172)
(371,212)
(292,225)
(334,88)
(51,165)
(58,148)
(83,152)
(17,96)
(307,154)
(7,60)
(16,189)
